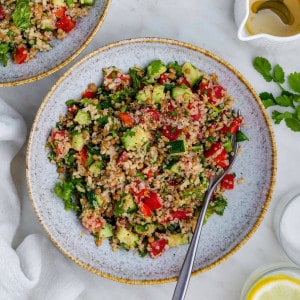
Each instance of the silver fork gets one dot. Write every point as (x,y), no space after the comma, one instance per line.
(185,273)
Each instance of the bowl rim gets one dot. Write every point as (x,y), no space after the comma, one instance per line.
(187,46)
(68,60)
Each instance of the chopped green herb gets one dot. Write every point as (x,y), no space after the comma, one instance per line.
(287,98)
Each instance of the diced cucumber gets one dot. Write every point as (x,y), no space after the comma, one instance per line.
(146,229)
(176,167)
(105,232)
(87,2)
(144,94)
(197,148)
(96,168)
(177,146)
(69,2)
(177,239)
(83,117)
(155,69)
(125,205)
(191,73)
(58,2)
(158,93)
(227,145)
(135,138)
(182,91)
(127,238)
(77,141)
(47,24)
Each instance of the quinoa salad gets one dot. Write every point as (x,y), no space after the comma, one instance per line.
(135,154)
(27,27)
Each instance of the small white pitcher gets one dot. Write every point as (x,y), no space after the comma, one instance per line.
(241,13)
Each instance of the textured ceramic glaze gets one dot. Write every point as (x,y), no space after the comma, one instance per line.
(45,63)
(221,236)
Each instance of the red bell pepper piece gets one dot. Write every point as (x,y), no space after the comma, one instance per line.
(182,80)
(59,12)
(126,119)
(227,182)
(145,209)
(156,248)
(66,23)
(234,126)
(218,154)
(153,201)
(82,156)
(88,94)
(20,55)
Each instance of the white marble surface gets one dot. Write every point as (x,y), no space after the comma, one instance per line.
(208,24)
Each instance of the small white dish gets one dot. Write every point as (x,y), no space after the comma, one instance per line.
(241,14)
(287,224)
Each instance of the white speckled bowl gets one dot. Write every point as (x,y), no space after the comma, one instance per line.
(221,236)
(63,52)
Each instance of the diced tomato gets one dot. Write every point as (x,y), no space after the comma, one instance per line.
(227,182)
(203,87)
(82,156)
(145,209)
(156,248)
(59,12)
(92,223)
(126,119)
(122,158)
(66,24)
(181,214)
(20,55)
(153,201)
(73,108)
(218,90)
(170,107)
(172,133)
(234,126)
(222,159)
(151,173)
(59,140)
(214,150)
(88,94)
(182,80)
(195,111)
(218,154)
(2,14)
(163,78)
(154,114)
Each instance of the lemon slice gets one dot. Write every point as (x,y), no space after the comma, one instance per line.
(276,287)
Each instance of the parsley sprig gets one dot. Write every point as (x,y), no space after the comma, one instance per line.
(287,98)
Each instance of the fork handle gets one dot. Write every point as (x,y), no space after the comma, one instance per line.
(186,270)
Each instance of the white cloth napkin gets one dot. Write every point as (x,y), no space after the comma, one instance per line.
(35,269)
